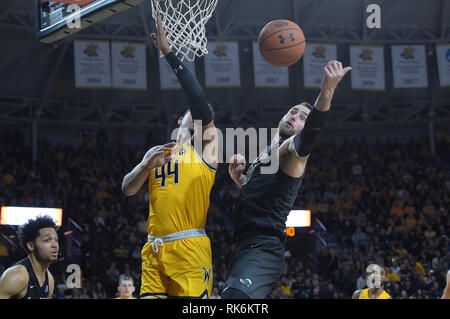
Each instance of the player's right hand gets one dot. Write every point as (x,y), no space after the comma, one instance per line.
(237,165)
(159,155)
(333,73)
(160,39)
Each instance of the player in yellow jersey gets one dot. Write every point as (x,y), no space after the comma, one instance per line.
(176,260)
(126,287)
(376,281)
(446,294)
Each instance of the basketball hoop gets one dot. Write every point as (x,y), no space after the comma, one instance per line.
(184,22)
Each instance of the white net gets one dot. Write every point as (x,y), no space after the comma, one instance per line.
(184,22)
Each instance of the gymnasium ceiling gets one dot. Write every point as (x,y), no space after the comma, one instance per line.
(36,79)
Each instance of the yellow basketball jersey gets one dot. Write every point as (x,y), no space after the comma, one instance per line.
(179,193)
(365,294)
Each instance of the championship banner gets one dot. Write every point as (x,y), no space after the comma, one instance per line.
(167,76)
(92,64)
(367,64)
(409,66)
(267,75)
(222,64)
(443,59)
(129,67)
(315,58)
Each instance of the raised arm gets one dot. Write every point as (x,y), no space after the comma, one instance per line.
(197,101)
(155,157)
(302,144)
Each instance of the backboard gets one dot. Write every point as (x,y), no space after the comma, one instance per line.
(58,19)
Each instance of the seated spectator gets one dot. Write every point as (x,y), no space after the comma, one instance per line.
(392,277)
(326,292)
(404,295)
(419,269)
(126,287)
(112,272)
(323,207)
(142,225)
(397,209)
(7,179)
(404,272)
(410,210)
(429,208)
(429,233)
(121,252)
(98,292)
(286,285)
(359,239)
(410,221)
(4,253)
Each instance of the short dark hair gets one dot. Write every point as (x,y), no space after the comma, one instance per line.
(307,104)
(30,230)
(125,277)
(209,106)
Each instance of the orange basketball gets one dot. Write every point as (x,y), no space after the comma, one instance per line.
(281,43)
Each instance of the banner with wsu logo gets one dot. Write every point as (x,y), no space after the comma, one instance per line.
(222,64)
(315,58)
(129,67)
(367,64)
(267,75)
(92,64)
(409,66)
(443,59)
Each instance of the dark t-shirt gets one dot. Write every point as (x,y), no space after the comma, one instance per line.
(264,202)
(34,291)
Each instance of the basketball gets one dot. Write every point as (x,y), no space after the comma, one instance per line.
(281,43)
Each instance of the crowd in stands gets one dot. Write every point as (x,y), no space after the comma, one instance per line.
(383,203)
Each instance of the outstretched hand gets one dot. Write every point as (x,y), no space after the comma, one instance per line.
(333,74)
(159,155)
(237,165)
(160,39)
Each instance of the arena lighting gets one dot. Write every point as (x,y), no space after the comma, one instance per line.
(299,218)
(14,215)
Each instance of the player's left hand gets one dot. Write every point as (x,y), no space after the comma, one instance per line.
(160,40)
(158,155)
(333,74)
(237,165)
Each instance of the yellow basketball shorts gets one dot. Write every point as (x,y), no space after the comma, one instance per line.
(180,268)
